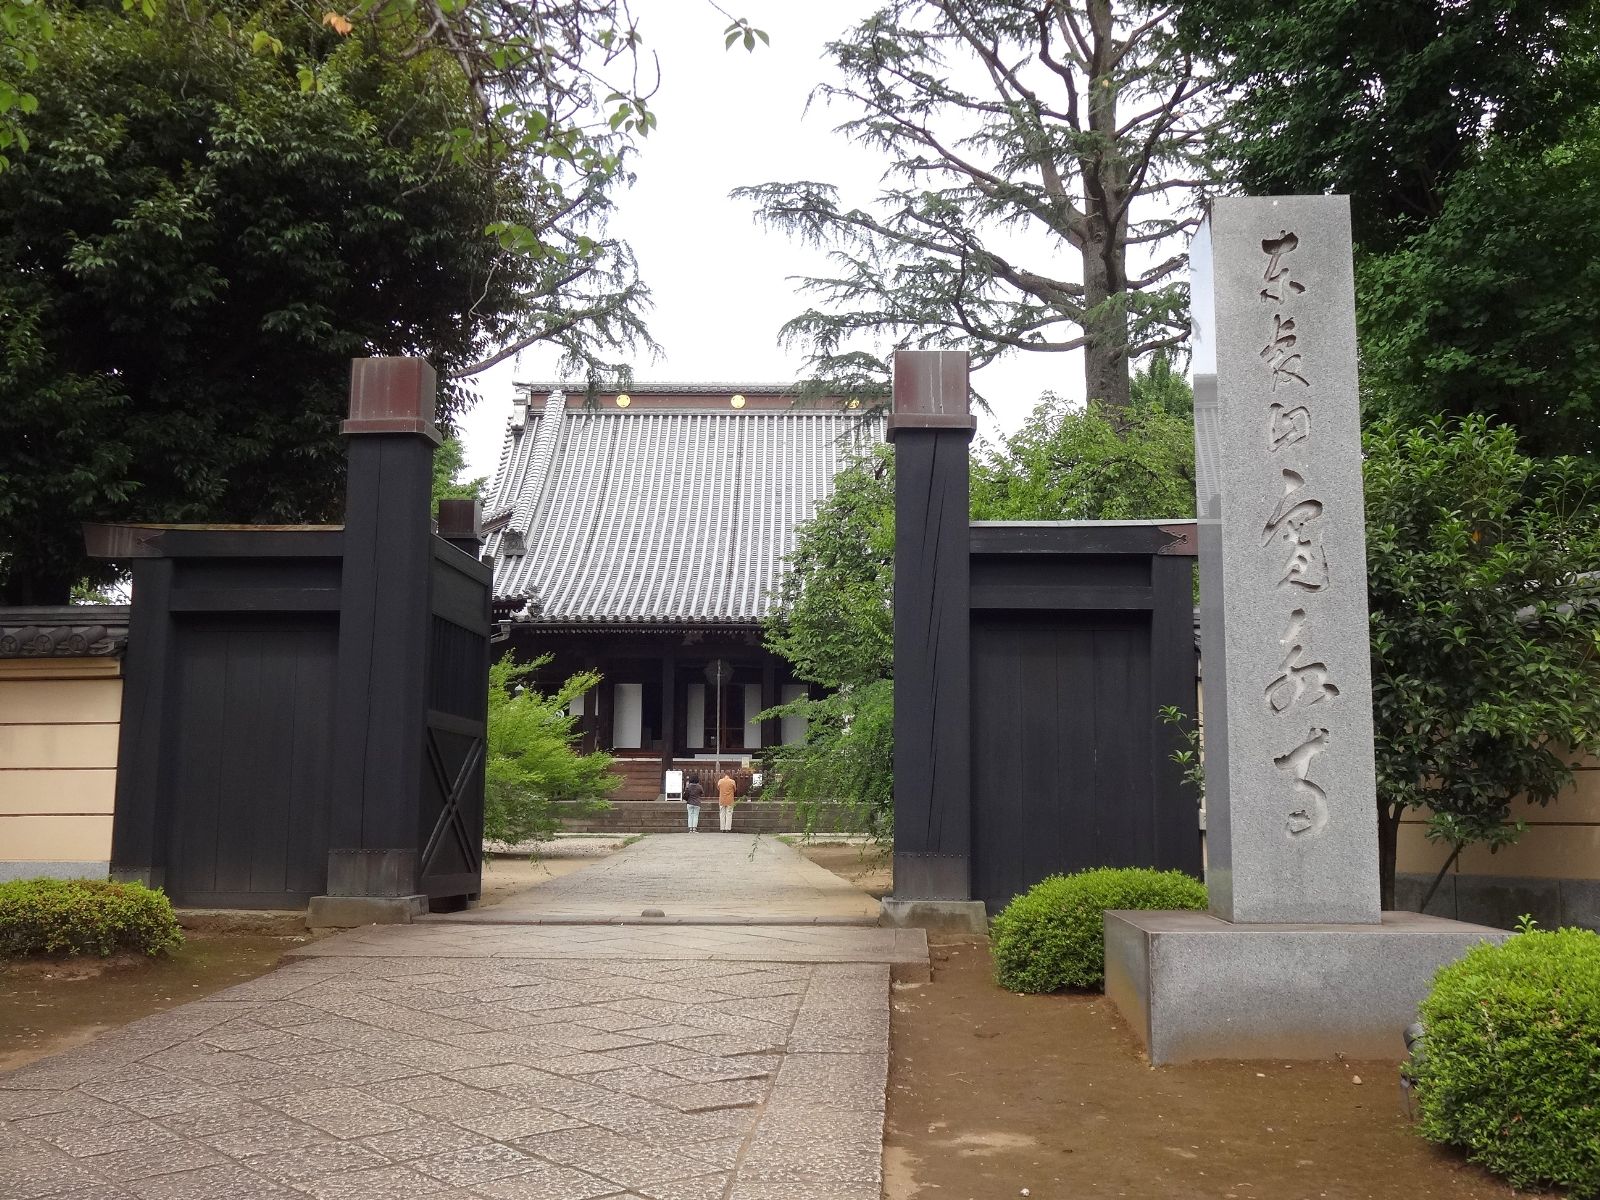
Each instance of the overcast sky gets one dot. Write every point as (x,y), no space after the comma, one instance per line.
(721,284)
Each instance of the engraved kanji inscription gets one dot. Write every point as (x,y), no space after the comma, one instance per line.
(1308,815)
(1289,425)
(1280,355)
(1279,286)
(1302,680)
(1294,522)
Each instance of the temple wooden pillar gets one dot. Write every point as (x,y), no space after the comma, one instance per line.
(669,712)
(772,727)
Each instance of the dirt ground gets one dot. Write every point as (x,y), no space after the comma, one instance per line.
(865,865)
(47,1006)
(992,1093)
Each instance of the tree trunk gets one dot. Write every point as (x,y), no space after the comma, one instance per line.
(1105,253)
(1388,843)
(1105,357)
(1439,878)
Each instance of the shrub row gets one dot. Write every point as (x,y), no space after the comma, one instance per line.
(84,916)
(1053,936)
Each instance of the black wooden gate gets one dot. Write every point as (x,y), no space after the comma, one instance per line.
(304,708)
(1080,633)
(1031,662)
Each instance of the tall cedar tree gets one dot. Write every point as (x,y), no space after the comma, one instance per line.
(214,215)
(1012,129)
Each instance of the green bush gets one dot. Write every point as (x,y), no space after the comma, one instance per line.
(1510,1068)
(1053,936)
(84,916)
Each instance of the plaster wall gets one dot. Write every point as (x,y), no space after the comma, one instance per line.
(1552,873)
(59,721)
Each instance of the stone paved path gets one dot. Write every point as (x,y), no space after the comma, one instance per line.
(496,1062)
(905,951)
(699,879)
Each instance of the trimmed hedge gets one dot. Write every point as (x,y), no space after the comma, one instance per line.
(84,916)
(1053,936)
(1510,1065)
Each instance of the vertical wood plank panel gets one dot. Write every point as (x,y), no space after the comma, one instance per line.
(143,808)
(311,761)
(240,786)
(196,735)
(269,818)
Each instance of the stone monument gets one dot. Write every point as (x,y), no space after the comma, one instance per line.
(1295,958)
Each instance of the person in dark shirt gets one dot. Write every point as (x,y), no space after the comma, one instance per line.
(693,793)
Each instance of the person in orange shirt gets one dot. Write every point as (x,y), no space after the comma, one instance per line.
(727,797)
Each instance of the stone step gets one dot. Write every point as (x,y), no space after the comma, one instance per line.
(668,816)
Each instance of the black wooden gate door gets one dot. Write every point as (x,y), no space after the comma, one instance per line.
(250,740)
(451,812)
(1061,744)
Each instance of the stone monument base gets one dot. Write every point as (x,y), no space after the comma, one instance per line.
(1194,986)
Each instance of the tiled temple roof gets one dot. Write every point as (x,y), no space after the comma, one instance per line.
(662,514)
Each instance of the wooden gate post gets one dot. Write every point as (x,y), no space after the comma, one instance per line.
(381,704)
(931,426)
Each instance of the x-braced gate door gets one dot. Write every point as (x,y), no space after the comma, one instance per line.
(455,740)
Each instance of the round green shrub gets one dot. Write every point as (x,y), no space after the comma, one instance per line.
(84,916)
(1053,936)
(1510,1065)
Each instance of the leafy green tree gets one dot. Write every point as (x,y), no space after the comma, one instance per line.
(846,761)
(1388,102)
(1077,125)
(449,460)
(24,26)
(834,624)
(1088,464)
(197,242)
(1160,383)
(565,85)
(1484,584)
(532,760)
(1466,136)
(833,620)
(1494,307)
